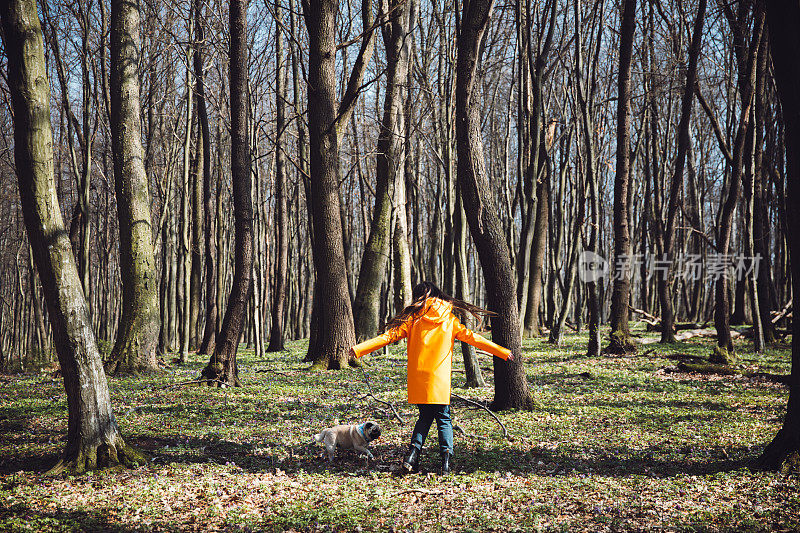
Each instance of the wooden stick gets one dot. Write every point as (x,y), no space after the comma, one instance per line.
(646,317)
(372,395)
(421,491)
(389,404)
(476,404)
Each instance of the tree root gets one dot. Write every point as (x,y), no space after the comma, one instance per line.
(320,365)
(783,453)
(620,344)
(723,356)
(102,455)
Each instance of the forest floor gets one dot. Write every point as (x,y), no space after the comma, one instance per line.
(614,443)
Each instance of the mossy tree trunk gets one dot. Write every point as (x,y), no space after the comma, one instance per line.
(93,438)
(137,337)
(783,19)
(223,368)
(511,386)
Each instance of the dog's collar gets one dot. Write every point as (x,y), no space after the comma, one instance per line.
(361,430)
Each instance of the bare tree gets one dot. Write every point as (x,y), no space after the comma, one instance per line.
(277,335)
(93,438)
(135,347)
(223,366)
(511,386)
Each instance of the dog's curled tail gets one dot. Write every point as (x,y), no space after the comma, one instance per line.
(317,438)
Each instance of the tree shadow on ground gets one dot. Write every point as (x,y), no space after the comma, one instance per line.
(264,457)
(29,462)
(653,461)
(96,520)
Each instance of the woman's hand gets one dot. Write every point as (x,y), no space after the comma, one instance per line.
(352,354)
(510,357)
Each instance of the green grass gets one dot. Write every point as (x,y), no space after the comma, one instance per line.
(614,443)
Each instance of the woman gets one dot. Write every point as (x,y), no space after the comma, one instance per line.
(431,329)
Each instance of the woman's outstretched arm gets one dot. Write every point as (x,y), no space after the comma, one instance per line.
(389,337)
(482,343)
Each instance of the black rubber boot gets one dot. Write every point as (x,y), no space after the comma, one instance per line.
(411,461)
(446,463)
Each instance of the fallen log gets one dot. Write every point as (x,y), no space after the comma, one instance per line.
(707,368)
(646,317)
(786,312)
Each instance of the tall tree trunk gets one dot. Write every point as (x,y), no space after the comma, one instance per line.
(665,241)
(724,352)
(196,273)
(277,334)
(472,368)
(333,330)
(185,265)
(620,338)
(511,386)
(208,342)
(540,234)
(590,155)
(761,233)
(137,337)
(750,278)
(402,250)
(222,365)
(38,312)
(389,168)
(784,19)
(93,438)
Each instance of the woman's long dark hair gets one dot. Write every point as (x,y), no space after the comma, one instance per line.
(424,290)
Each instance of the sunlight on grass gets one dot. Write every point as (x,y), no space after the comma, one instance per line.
(614,443)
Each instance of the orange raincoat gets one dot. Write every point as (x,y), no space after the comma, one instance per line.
(430,350)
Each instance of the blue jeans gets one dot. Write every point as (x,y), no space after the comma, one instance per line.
(427,413)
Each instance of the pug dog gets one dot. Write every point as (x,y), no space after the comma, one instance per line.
(355,436)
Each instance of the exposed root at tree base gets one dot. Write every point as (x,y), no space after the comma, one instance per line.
(319,365)
(103,455)
(723,356)
(213,376)
(620,344)
(525,404)
(783,454)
